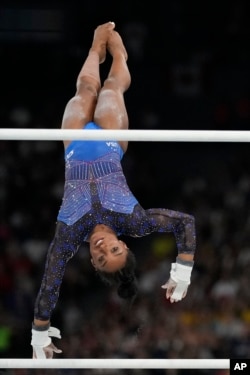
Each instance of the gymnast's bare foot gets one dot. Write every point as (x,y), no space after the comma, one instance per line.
(100,39)
(115,45)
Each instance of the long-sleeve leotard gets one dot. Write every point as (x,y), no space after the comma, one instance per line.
(68,239)
(96,192)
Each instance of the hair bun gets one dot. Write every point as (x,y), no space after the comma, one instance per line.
(127,289)
(126,277)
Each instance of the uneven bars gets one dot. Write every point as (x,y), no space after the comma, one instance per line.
(92,363)
(126,135)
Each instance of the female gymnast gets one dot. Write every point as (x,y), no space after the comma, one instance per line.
(97,205)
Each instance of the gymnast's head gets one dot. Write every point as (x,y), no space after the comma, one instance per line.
(113,261)
(108,253)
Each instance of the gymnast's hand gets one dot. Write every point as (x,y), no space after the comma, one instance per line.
(43,347)
(180,278)
(48,352)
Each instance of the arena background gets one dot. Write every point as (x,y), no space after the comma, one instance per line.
(189,62)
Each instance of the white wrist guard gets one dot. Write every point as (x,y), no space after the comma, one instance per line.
(41,339)
(181,273)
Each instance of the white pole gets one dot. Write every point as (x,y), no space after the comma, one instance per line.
(116,363)
(126,135)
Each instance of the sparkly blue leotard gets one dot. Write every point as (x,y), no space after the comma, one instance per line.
(94,180)
(96,192)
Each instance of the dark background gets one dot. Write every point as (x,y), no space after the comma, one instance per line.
(189,62)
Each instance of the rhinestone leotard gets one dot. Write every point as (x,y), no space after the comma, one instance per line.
(96,192)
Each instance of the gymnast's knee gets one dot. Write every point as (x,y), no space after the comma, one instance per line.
(111,84)
(87,85)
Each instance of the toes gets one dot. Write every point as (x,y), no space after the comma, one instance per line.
(111,24)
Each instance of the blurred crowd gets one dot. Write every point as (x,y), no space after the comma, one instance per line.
(214,319)
(199,85)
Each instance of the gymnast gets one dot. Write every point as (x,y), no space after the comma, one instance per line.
(98,206)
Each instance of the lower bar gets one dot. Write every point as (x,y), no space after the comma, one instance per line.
(92,363)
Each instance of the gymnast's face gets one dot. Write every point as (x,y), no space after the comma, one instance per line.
(108,254)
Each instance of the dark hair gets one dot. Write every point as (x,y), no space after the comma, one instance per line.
(124,279)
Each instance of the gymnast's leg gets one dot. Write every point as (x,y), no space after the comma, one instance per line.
(110,112)
(80,109)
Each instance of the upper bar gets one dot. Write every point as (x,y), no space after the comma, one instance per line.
(125,135)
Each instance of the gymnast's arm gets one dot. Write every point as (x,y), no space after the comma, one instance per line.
(182,225)
(63,247)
